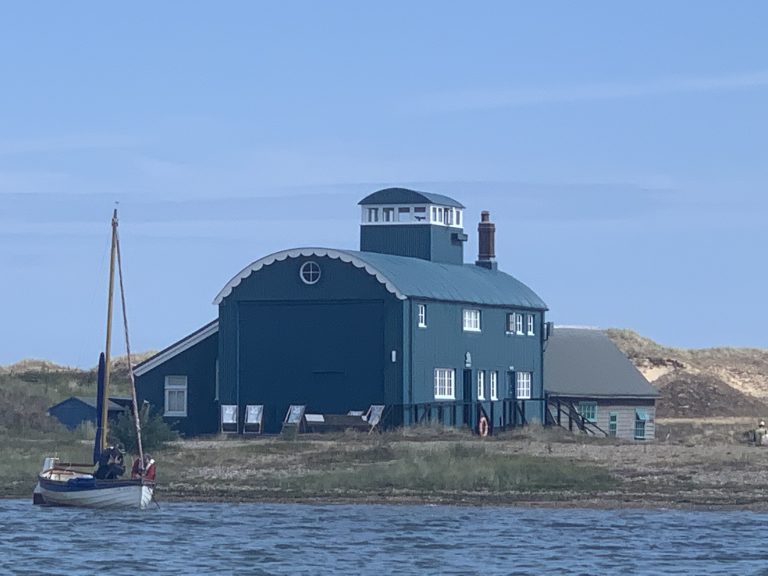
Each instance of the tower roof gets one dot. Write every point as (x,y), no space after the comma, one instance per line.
(405,196)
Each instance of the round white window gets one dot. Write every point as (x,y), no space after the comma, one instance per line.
(309,272)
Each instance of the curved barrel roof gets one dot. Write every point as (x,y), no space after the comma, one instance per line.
(416,278)
(405,196)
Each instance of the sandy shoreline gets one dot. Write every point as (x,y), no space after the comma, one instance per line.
(701,467)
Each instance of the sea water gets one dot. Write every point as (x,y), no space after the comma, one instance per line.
(378,539)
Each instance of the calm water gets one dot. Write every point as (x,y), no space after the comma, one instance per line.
(384,540)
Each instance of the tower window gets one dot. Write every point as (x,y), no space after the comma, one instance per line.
(373,214)
(420,213)
(403,214)
(388,214)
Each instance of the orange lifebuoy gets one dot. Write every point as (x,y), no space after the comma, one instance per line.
(482,426)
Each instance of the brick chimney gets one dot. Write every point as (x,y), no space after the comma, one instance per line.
(486,235)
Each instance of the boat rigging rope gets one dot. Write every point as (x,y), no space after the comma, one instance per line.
(136,419)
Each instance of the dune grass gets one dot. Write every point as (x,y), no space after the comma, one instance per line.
(453,467)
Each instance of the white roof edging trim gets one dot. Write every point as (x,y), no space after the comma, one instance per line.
(176,349)
(299,252)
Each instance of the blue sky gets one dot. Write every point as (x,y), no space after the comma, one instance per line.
(620,147)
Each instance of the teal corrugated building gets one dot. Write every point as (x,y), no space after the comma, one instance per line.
(403,323)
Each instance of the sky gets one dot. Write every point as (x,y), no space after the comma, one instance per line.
(620,148)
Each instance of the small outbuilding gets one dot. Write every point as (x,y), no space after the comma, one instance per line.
(592,386)
(78,409)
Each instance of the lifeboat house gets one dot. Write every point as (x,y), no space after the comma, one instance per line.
(403,324)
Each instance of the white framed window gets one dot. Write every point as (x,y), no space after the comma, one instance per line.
(471,320)
(511,323)
(523,385)
(422,311)
(403,214)
(458,217)
(481,384)
(388,214)
(175,396)
(373,214)
(420,213)
(519,323)
(530,324)
(444,384)
(494,377)
(588,411)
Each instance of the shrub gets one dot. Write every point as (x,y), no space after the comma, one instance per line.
(154,431)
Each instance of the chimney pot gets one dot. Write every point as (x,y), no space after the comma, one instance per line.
(486,233)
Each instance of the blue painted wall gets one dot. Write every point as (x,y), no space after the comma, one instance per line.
(72,412)
(444,344)
(327,345)
(425,241)
(198,364)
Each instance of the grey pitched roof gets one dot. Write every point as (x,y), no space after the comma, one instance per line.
(406,196)
(586,362)
(416,278)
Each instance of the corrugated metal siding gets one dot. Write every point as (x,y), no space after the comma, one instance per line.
(413,241)
(326,345)
(444,344)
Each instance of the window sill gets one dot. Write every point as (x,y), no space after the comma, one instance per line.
(445,397)
(175,414)
(422,325)
(472,330)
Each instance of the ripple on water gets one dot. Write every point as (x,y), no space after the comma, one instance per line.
(348,539)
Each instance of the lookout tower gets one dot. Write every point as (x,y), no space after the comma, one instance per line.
(405,222)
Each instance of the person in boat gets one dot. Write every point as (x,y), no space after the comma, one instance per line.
(149,468)
(111,464)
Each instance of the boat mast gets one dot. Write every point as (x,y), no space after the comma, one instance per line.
(134,400)
(108,346)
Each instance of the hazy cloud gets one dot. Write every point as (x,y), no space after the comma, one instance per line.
(532,96)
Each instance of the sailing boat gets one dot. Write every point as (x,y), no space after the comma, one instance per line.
(71,484)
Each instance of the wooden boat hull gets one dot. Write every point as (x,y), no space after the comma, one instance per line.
(86,492)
